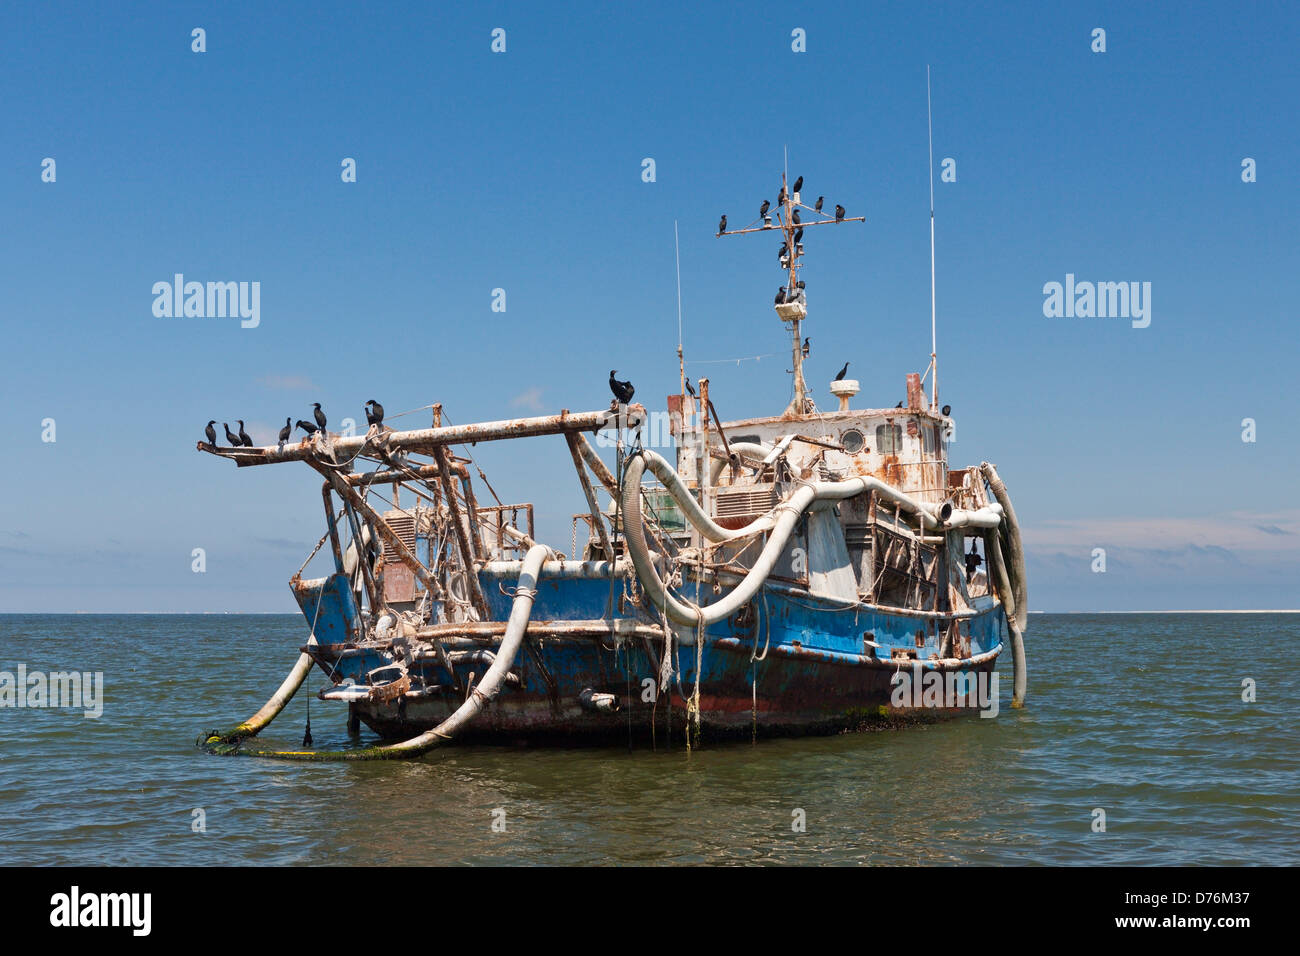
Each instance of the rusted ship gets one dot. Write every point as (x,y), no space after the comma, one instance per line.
(775,575)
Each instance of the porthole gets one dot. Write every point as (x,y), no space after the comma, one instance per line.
(852,440)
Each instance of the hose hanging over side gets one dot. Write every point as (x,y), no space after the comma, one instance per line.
(780,522)
(1015,548)
(997,569)
(482,694)
(270,710)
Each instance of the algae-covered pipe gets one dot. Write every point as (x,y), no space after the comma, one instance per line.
(483,694)
(270,710)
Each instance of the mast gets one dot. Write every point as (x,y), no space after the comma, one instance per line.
(934,360)
(681,360)
(794,309)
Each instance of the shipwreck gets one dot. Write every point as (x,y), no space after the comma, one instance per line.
(771,575)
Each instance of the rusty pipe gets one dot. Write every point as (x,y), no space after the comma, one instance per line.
(424,439)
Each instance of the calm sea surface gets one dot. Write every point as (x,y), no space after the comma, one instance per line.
(1138,715)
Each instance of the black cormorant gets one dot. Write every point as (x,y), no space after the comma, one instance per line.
(623,391)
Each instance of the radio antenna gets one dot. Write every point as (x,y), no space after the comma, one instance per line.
(681,361)
(934,360)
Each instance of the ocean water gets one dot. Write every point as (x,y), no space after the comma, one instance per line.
(1140,716)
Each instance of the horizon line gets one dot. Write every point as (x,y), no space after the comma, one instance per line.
(1279,610)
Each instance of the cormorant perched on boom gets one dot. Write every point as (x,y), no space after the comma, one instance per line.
(211,433)
(232,438)
(722,225)
(798,235)
(623,391)
(243,436)
(794,217)
(285,432)
(780,200)
(843,372)
(320,416)
(308,427)
(762,210)
(375,415)
(820,200)
(839,213)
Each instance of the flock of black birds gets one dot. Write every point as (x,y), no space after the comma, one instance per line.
(794,216)
(374,416)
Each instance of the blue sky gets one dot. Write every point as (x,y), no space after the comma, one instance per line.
(522,171)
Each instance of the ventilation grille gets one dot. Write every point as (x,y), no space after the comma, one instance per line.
(748,502)
(403,526)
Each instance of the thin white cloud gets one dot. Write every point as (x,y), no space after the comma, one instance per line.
(1237,532)
(530,398)
(292,383)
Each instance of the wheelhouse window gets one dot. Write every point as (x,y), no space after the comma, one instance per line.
(889,439)
(930,440)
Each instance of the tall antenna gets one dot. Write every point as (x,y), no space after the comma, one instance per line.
(934,360)
(677,252)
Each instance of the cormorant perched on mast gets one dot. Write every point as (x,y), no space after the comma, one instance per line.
(623,391)
(805,347)
(780,295)
(798,185)
(843,372)
(211,433)
(762,210)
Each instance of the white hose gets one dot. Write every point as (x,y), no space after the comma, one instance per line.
(781,522)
